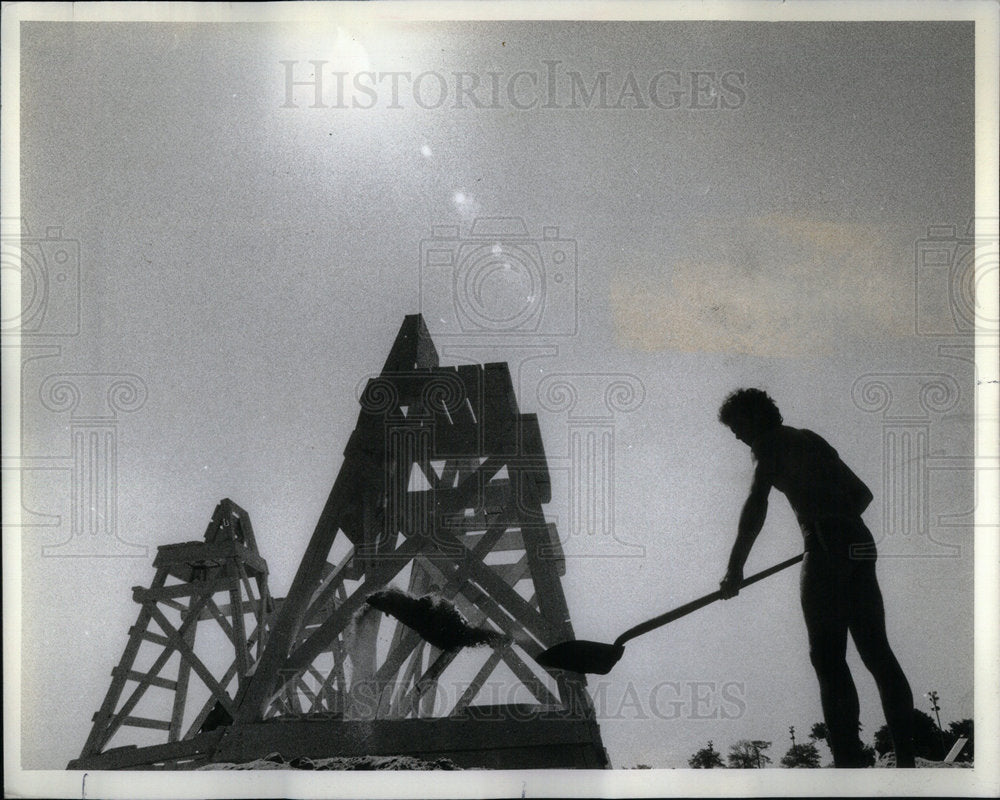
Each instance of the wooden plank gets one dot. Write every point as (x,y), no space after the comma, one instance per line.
(115,722)
(220,551)
(216,613)
(99,736)
(413,388)
(956,749)
(389,707)
(246,529)
(131,757)
(413,347)
(149,636)
(524,674)
(145,722)
(553,551)
(224,609)
(174,604)
(239,635)
(180,695)
(421,738)
(209,704)
(141,595)
(394,660)
(251,601)
(533,452)
(476,685)
(502,593)
(329,585)
(214,523)
(473,380)
(424,683)
(495,496)
(472,598)
(186,652)
(551,600)
(143,677)
(319,640)
(342,497)
(499,411)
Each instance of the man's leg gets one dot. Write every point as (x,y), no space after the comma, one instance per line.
(867,625)
(826,605)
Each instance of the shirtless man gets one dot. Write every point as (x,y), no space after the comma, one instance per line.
(839,590)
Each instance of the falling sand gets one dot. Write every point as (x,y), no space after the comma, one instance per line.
(435,619)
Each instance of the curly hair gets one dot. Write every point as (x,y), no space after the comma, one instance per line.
(750,404)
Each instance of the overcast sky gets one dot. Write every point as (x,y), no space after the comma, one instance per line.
(251,262)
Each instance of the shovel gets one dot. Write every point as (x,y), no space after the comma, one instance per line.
(599,658)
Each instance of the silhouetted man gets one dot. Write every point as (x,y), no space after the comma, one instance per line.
(839,590)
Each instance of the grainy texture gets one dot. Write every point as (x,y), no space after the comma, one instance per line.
(435,619)
(384,763)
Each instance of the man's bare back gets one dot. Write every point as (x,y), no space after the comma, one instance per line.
(839,589)
(805,468)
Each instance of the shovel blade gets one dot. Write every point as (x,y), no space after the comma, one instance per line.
(582,656)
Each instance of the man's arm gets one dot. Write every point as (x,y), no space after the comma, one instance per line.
(751,521)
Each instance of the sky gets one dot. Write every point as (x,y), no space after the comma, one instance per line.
(248,258)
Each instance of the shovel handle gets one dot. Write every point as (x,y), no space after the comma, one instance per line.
(701,602)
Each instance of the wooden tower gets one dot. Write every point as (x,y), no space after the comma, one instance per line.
(208,601)
(440,493)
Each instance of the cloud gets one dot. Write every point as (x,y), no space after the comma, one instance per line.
(780,287)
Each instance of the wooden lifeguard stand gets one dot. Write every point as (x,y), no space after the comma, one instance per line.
(440,492)
(216,587)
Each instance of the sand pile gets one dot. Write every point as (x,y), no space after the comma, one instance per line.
(340,763)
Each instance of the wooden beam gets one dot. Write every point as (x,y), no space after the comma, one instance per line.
(411,701)
(343,495)
(465,739)
(143,677)
(148,636)
(206,709)
(239,635)
(471,597)
(390,565)
(95,739)
(216,613)
(159,594)
(131,757)
(180,695)
(476,685)
(196,664)
(528,678)
(499,590)
(144,722)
